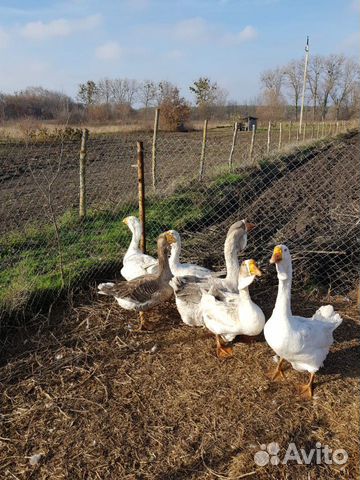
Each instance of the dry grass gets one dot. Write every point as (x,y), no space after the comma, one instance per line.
(97,401)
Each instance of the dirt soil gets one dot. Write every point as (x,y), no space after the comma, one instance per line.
(311,203)
(95,400)
(26,170)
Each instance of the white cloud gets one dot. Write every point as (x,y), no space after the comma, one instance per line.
(193,29)
(200,31)
(108,51)
(247,34)
(4,38)
(59,28)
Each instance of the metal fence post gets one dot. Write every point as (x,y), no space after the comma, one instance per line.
(203,150)
(141,193)
(153,152)
(233,145)
(82,186)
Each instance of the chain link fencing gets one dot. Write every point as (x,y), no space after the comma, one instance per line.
(301,190)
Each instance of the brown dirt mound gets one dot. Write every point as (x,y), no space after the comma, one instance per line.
(311,202)
(97,401)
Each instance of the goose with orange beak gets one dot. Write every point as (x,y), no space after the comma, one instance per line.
(188,289)
(228,314)
(304,342)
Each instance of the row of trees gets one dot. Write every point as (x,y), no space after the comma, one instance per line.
(115,99)
(36,102)
(332,92)
(333,83)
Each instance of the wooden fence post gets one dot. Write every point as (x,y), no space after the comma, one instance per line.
(290,128)
(323,129)
(280,135)
(318,131)
(153,152)
(268,138)
(297,134)
(141,193)
(83,154)
(203,150)
(251,152)
(304,132)
(233,145)
(312,131)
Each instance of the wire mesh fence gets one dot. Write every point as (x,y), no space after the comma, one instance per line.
(298,189)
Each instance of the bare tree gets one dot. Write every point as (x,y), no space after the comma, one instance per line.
(293,73)
(123,91)
(104,91)
(330,76)
(272,98)
(272,81)
(147,91)
(345,80)
(315,69)
(165,90)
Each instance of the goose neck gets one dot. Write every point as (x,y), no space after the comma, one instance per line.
(283,299)
(175,253)
(231,262)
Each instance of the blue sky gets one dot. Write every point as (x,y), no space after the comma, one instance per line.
(58,44)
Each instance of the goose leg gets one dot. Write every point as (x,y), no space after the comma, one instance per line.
(278,372)
(222,351)
(144,326)
(306,391)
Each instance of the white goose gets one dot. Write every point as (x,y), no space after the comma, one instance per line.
(183,269)
(188,289)
(229,314)
(304,342)
(136,263)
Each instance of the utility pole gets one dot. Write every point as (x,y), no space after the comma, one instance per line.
(304,83)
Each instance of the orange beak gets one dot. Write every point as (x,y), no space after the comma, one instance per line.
(277,255)
(249,226)
(254,269)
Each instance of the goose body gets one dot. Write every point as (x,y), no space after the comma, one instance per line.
(304,342)
(184,269)
(230,314)
(188,289)
(136,263)
(144,293)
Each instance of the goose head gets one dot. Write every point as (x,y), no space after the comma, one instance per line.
(175,245)
(132,223)
(247,273)
(175,236)
(282,259)
(166,240)
(238,233)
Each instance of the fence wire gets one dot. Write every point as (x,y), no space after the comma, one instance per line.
(300,190)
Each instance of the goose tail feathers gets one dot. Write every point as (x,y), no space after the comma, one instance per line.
(105,288)
(326,313)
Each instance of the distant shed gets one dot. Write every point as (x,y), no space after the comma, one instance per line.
(246,123)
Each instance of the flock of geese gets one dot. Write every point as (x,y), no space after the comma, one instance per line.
(224,305)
